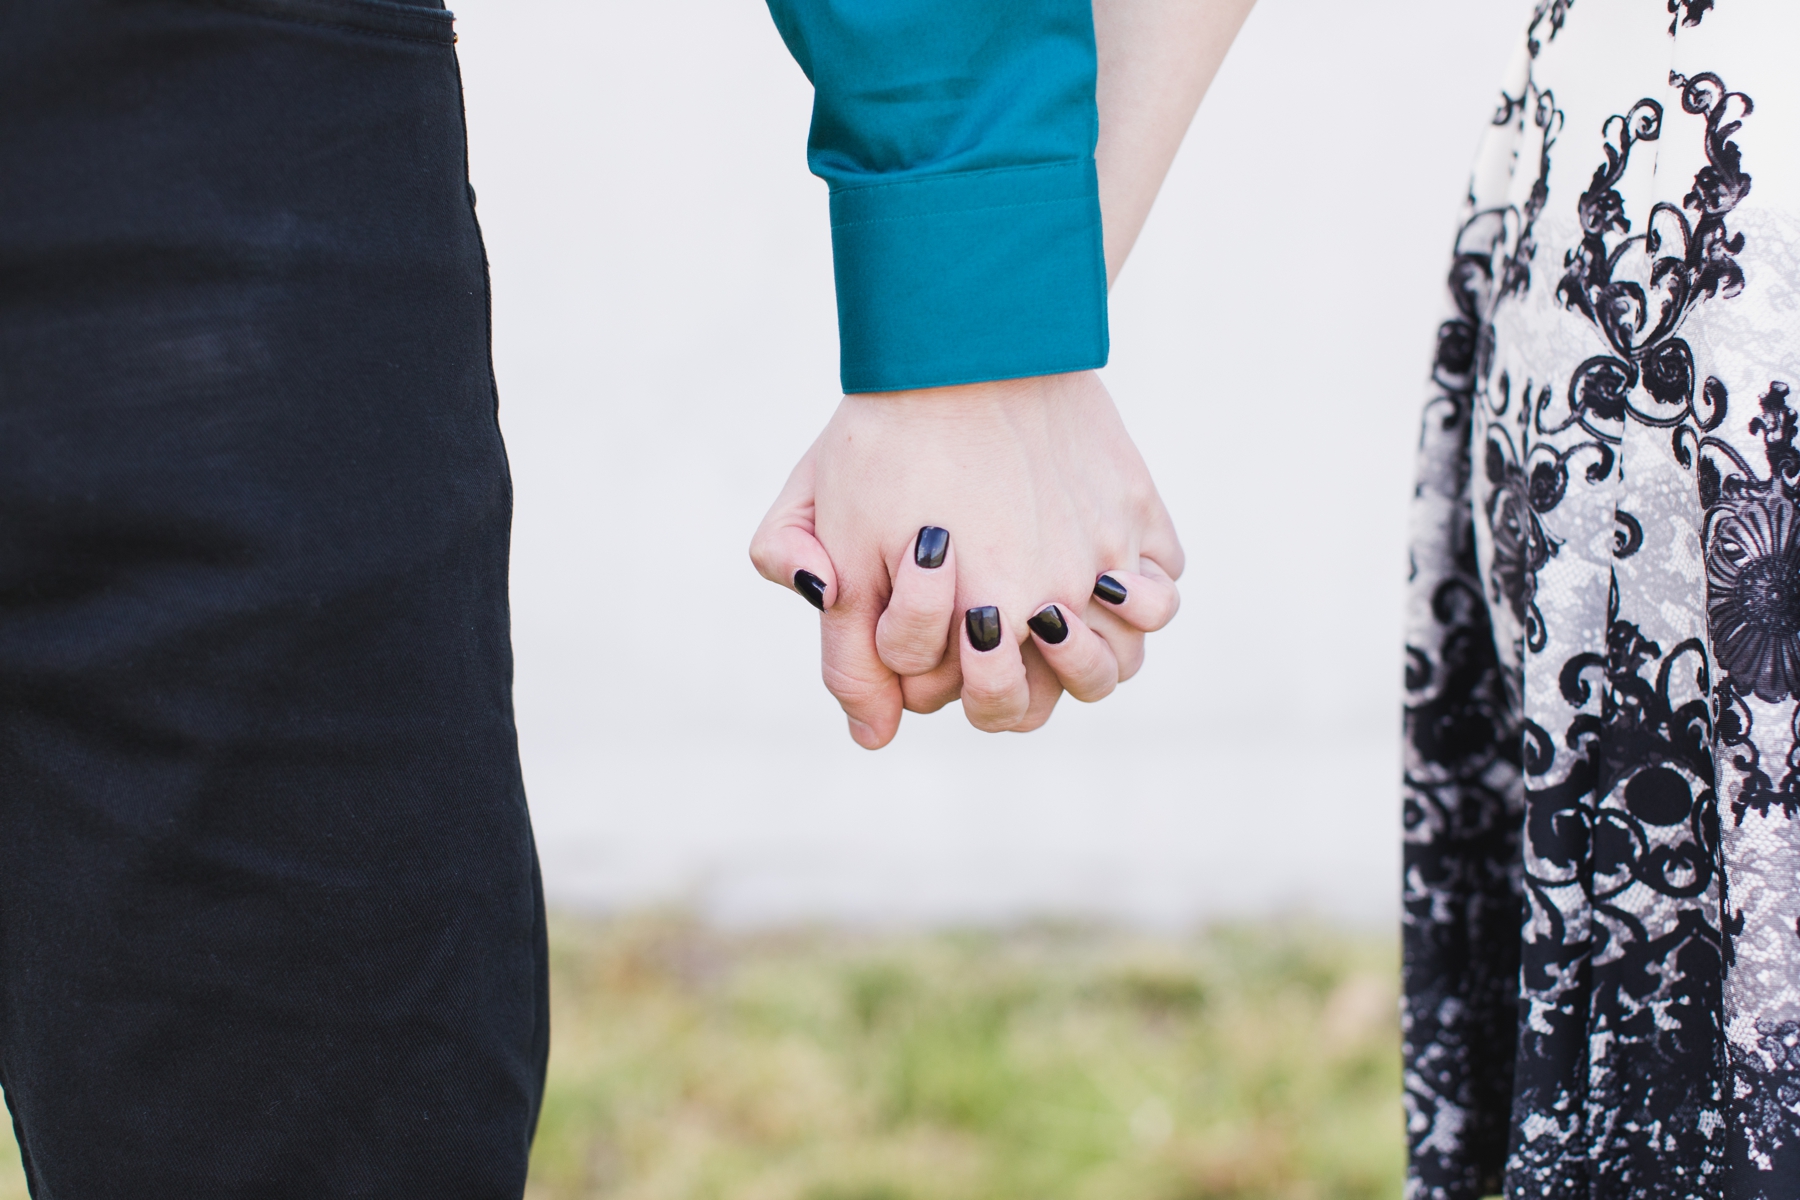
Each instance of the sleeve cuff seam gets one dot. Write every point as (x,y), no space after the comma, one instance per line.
(951,212)
(915,180)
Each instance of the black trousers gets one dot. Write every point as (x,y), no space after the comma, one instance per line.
(270,921)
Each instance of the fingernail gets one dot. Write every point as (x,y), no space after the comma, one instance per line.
(1050,625)
(984,627)
(812,587)
(933,542)
(1109,590)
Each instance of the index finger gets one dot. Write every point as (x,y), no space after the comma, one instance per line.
(916,628)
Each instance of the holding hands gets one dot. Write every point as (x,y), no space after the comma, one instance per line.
(998,542)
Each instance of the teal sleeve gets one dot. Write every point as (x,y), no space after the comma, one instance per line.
(957,137)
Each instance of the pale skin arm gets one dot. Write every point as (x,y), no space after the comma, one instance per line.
(1036,479)
(1157,58)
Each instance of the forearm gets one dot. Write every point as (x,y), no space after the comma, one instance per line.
(1156,60)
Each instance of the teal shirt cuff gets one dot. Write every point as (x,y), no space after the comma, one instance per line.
(970,277)
(957,138)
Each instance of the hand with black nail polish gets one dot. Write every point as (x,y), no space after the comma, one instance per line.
(937,583)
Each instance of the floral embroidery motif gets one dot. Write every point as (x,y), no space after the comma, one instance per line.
(1568,776)
(1682,263)
(1753,560)
(1752,541)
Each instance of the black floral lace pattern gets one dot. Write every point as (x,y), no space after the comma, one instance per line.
(1768,1101)
(1753,562)
(1603,668)
(1690,259)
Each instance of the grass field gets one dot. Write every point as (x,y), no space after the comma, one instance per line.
(1043,1063)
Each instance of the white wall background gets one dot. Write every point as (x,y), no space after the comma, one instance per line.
(665,345)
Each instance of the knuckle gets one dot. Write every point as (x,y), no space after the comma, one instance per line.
(1144,505)
(1153,618)
(909,647)
(1081,663)
(926,693)
(910,661)
(993,711)
(851,688)
(928,702)
(987,697)
(763,558)
(1092,690)
(990,723)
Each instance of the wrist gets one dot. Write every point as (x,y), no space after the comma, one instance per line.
(1001,393)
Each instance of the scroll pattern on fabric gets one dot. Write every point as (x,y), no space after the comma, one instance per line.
(1602,891)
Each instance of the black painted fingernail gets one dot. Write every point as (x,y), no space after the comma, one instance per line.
(933,542)
(984,627)
(812,587)
(1050,625)
(1109,590)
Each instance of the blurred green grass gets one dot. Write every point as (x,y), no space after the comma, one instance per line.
(1044,1063)
(1245,1062)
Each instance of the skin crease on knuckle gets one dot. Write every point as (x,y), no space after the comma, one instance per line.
(996,709)
(1091,680)
(910,662)
(926,701)
(913,643)
(853,691)
(1095,694)
(995,721)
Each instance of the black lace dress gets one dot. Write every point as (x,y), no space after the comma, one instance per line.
(1602,892)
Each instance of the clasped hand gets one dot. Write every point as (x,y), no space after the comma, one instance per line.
(997,542)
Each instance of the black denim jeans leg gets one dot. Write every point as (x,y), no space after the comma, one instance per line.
(270,919)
